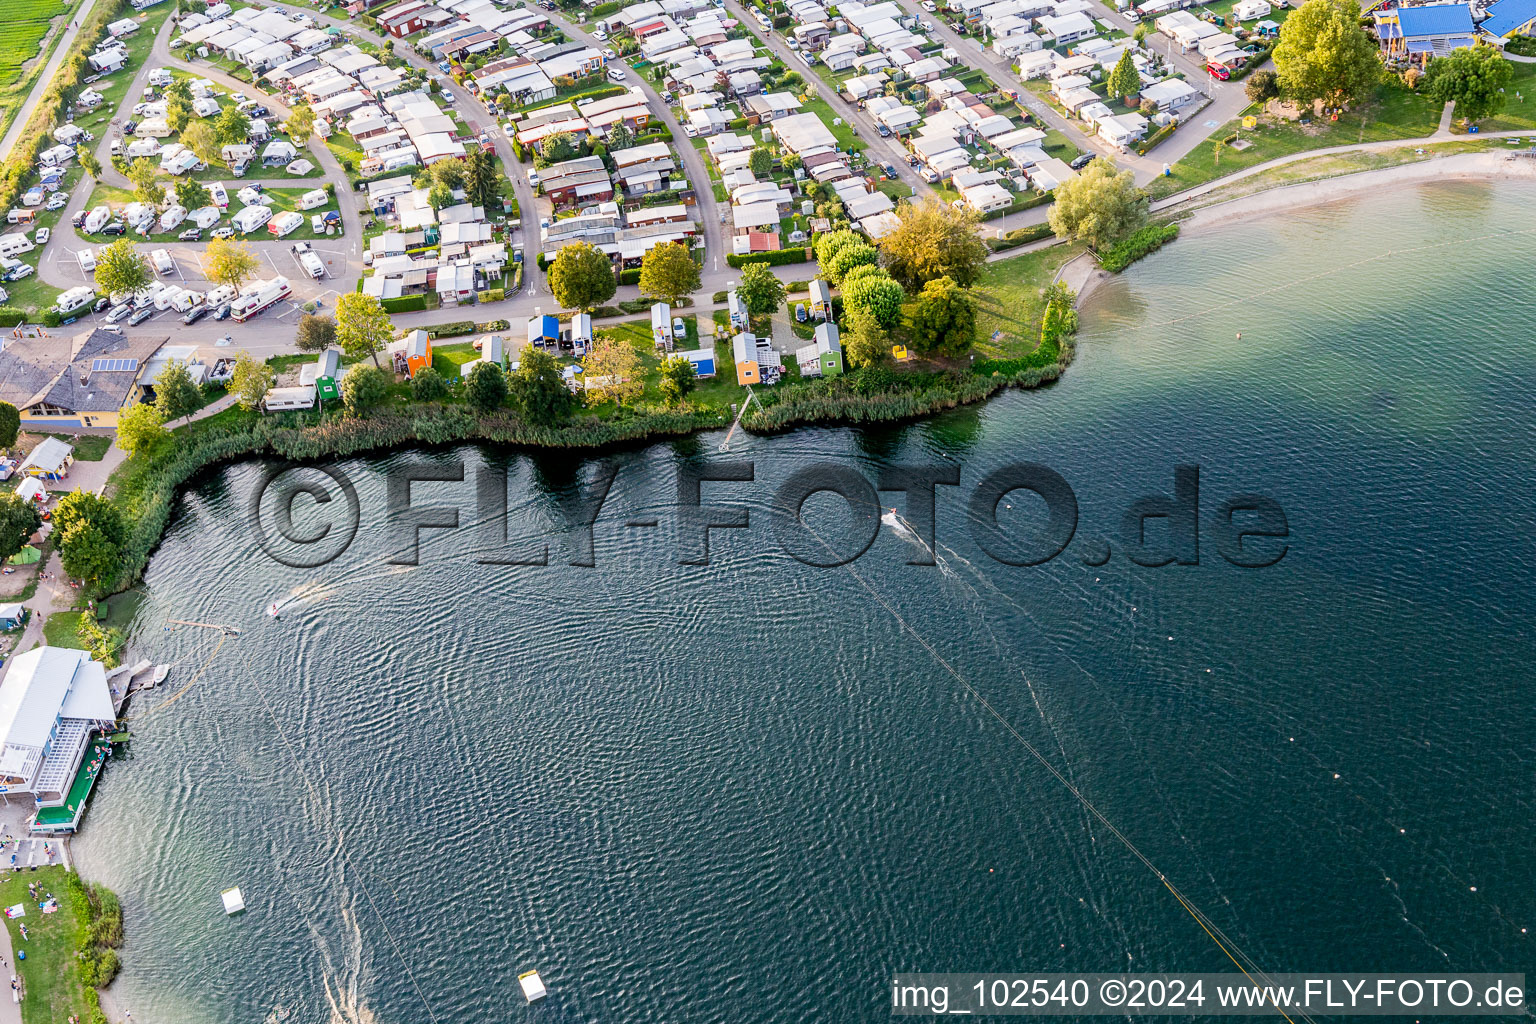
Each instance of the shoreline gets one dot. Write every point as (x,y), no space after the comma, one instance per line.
(1286,198)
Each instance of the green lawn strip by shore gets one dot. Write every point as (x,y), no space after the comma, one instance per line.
(62,630)
(279,199)
(1394,113)
(51,971)
(1008,301)
(1519,111)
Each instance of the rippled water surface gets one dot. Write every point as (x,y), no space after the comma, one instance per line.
(750,791)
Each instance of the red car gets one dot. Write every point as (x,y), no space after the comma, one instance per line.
(1219,71)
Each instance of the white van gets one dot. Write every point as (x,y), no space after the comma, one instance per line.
(222,294)
(186,299)
(87,260)
(73,298)
(97,219)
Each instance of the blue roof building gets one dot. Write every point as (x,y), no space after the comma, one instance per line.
(1508,17)
(1419,33)
(543,330)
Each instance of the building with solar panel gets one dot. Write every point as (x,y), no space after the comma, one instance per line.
(86,380)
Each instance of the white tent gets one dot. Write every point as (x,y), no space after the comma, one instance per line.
(32,488)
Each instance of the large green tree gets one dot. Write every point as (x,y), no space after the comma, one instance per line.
(228,261)
(191,194)
(363,387)
(942,319)
(482,185)
(141,429)
(1100,206)
(142,172)
(301,123)
(1474,77)
(678,378)
(120,268)
(668,272)
(760,289)
(848,257)
(933,240)
(538,390)
(19,519)
(870,291)
(250,380)
(315,333)
(1324,54)
(10,424)
(91,533)
(486,388)
(175,393)
(1124,79)
(203,139)
(232,126)
(865,342)
(363,327)
(760,162)
(828,245)
(582,276)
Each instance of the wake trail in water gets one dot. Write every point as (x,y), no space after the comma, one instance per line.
(904,530)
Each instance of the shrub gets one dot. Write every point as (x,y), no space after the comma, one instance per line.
(1020,236)
(451,329)
(782,257)
(404,304)
(493,295)
(630,276)
(1142,242)
(10,316)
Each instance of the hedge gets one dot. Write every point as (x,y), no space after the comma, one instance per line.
(603,10)
(1020,236)
(452,329)
(404,304)
(494,295)
(10,316)
(631,276)
(780,258)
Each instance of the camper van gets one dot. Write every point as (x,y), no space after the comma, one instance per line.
(313,199)
(260,297)
(222,294)
(15,244)
(97,219)
(87,260)
(73,301)
(20,216)
(161,258)
(186,299)
(252,218)
(285,223)
(166,298)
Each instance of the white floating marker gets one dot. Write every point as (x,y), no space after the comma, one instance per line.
(233,901)
(533,986)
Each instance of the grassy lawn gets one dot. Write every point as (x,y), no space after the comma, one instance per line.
(1519,111)
(1394,113)
(1008,301)
(279,199)
(62,630)
(89,447)
(28,20)
(715,394)
(32,292)
(51,970)
(448,360)
(846,140)
(115,86)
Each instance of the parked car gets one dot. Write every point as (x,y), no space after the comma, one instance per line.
(195,314)
(1082,160)
(883,131)
(929,175)
(930,6)
(41,237)
(800,314)
(121,311)
(57,201)
(600,35)
(890,171)
(101,304)
(78,219)
(224,231)
(17,273)
(609,53)
(222,313)
(690,131)
(191,235)
(141,315)
(1220,72)
(679,329)
(114,228)
(533,177)
(615,75)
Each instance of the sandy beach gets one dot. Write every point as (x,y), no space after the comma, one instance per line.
(1083,277)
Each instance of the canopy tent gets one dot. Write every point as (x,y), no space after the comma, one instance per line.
(32,488)
(28,555)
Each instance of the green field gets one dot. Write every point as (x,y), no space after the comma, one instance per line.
(26,26)
(1519,113)
(1393,113)
(51,971)
(1008,301)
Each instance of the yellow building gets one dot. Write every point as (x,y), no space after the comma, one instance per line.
(84,381)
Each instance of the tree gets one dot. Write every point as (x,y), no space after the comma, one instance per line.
(486,388)
(178,110)
(202,139)
(582,277)
(872,292)
(557,148)
(10,424)
(620,136)
(439,196)
(942,320)
(1323,54)
(668,272)
(363,387)
(865,342)
(1100,206)
(828,245)
(934,240)
(1124,79)
(760,163)
(678,378)
(448,172)
(848,257)
(120,268)
(762,292)
(89,163)
(482,185)
(250,380)
(92,532)
(362,326)
(192,195)
(537,389)
(428,385)
(104,645)
(1474,78)
(142,173)
(1262,86)
(175,393)
(301,123)
(230,262)
(232,126)
(615,368)
(141,429)
(315,333)
(19,519)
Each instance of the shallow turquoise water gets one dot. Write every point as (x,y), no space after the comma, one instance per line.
(749,791)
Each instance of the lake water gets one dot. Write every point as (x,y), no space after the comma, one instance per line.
(751,791)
